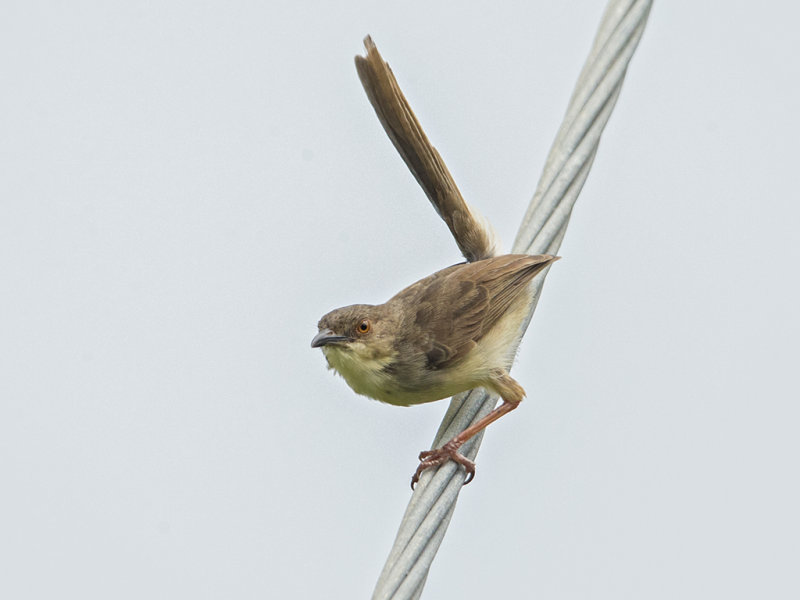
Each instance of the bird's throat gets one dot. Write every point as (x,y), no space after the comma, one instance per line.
(361,369)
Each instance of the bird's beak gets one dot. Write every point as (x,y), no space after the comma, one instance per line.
(326,336)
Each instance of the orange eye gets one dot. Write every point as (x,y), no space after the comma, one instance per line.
(364,326)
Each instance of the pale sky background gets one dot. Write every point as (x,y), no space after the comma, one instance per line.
(186,187)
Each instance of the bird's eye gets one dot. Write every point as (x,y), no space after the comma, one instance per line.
(364,326)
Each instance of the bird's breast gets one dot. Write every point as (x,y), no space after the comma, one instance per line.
(367,375)
(389,380)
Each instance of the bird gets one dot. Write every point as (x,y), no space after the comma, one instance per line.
(449,332)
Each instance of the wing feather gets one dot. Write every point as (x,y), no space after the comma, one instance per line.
(453,308)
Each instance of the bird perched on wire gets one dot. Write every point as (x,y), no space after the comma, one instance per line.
(447,333)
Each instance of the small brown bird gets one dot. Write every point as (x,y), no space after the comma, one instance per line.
(447,333)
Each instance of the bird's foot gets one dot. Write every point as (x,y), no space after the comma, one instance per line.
(434,458)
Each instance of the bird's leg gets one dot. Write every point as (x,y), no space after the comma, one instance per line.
(512,394)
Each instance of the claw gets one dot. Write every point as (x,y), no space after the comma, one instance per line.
(434,458)
(470,475)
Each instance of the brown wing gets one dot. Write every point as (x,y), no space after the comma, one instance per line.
(453,308)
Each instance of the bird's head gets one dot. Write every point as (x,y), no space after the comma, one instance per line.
(361,330)
(359,343)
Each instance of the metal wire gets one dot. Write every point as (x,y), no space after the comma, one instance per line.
(543,228)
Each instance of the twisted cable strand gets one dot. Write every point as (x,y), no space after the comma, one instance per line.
(543,228)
